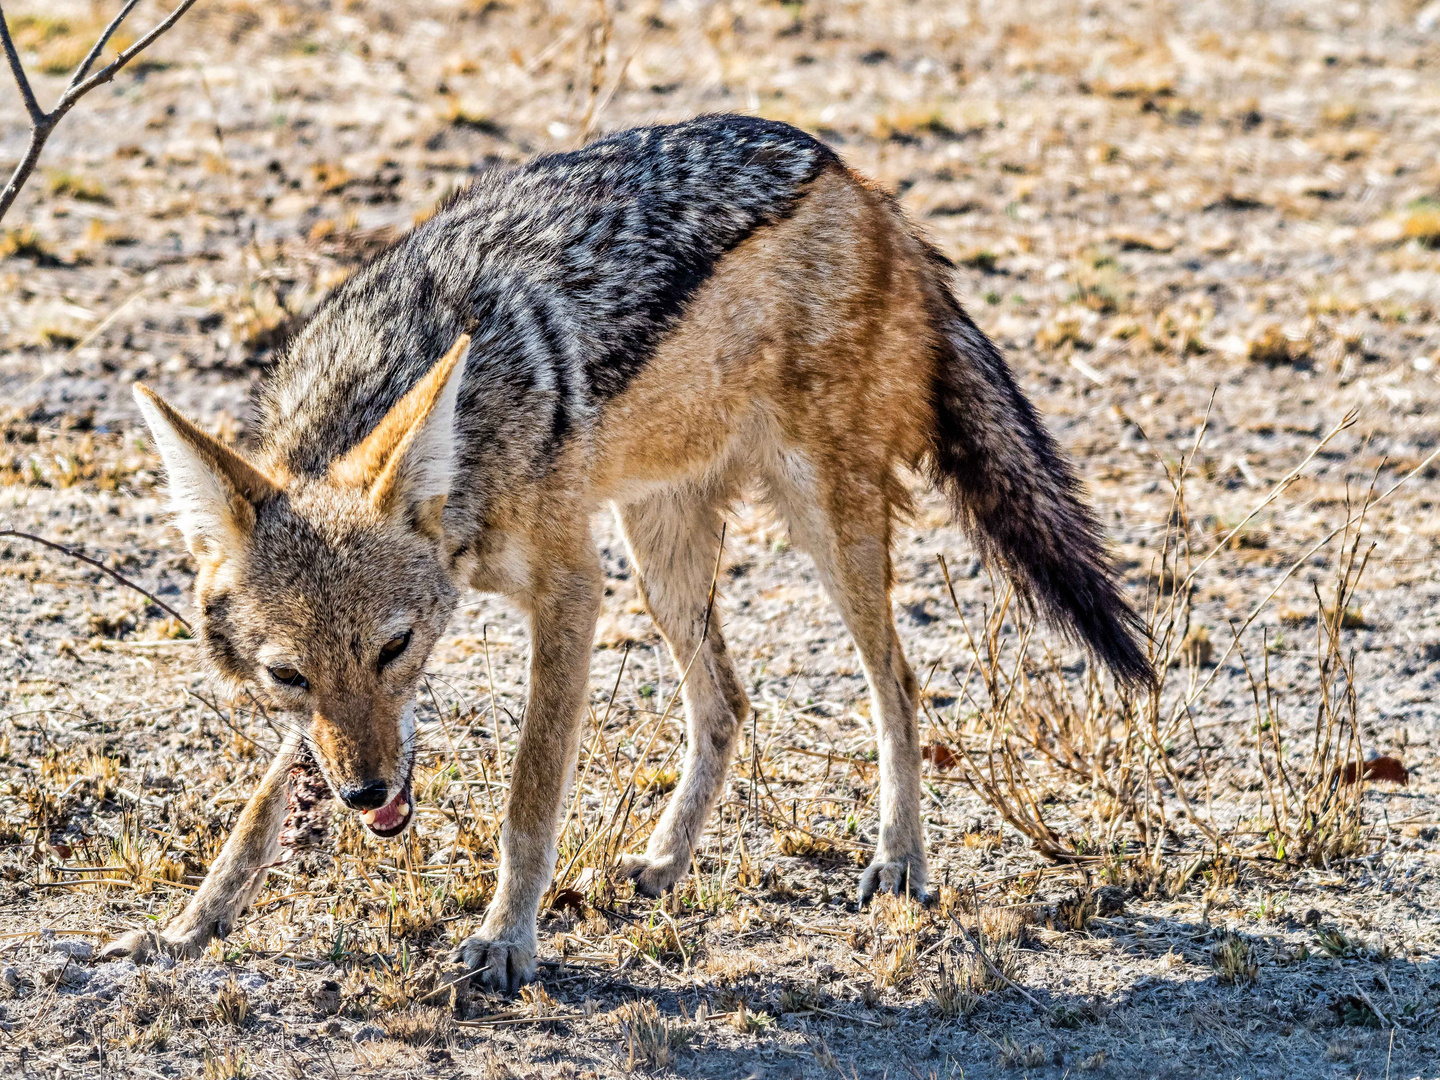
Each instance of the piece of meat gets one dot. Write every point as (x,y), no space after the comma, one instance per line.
(308,819)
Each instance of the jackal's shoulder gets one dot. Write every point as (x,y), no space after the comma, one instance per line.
(567,271)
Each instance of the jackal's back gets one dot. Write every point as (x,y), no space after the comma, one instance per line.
(567,271)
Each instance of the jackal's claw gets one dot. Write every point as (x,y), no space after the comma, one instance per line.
(652,876)
(904,876)
(147,944)
(499,966)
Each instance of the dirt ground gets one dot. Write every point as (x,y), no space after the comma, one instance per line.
(1204,233)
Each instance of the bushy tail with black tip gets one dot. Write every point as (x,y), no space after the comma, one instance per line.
(1018,497)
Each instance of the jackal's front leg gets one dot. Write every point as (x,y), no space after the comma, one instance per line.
(234,878)
(562,632)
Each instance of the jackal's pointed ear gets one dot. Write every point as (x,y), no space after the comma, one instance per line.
(213,490)
(406,465)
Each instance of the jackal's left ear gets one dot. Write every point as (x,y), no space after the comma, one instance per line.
(407,464)
(213,489)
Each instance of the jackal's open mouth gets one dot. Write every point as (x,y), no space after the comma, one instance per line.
(392,818)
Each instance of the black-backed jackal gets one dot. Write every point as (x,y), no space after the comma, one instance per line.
(649,322)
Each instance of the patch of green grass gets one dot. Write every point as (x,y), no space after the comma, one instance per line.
(84,188)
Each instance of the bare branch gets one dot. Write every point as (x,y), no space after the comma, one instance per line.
(38,134)
(108,72)
(32,106)
(99,46)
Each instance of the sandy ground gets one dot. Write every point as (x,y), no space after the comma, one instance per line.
(1170,215)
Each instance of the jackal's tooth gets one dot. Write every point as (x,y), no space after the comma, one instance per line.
(368,817)
(402,810)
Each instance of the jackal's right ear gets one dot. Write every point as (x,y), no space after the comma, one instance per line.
(213,490)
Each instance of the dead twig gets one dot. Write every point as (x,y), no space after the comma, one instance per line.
(121,578)
(42,123)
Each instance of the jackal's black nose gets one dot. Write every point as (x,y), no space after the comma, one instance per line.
(367,796)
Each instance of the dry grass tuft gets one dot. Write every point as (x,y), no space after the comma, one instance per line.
(661,939)
(962,981)
(420,1026)
(77,186)
(895,962)
(63,42)
(1273,345)
(800,842)
(1118,238)
(746,1021)
(232,1005)
(648,1039)
(1013,1055)
(25,242)
(1234,958)
(1423,225)
(952,989)
(228,1063)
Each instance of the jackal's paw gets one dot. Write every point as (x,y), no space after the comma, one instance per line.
(901,876)
(501,966)
(142,946)
(653,875)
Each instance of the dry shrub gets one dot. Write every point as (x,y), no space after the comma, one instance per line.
(1037,736)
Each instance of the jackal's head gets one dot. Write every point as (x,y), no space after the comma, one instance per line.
(328,592)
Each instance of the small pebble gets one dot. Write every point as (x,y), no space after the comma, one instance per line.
(74,948)
(1109,900)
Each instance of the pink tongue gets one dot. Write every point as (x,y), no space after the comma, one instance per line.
(388,816)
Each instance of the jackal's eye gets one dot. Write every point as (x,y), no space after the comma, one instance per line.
(393,648)
(288,676)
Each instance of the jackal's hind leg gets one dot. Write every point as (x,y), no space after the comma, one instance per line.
(234,878)
(674,540)
(844,524)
